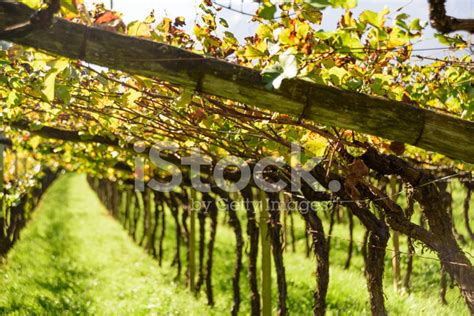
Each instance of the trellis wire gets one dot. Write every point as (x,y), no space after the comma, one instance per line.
(399,252)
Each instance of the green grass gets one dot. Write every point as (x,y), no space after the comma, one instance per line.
(74,259)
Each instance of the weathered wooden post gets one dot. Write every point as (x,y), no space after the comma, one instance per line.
(266,257)
(3,219)
(192,240)
(285,220)
(2,148)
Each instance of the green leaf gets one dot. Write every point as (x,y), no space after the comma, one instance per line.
(264,31)
(35,141)
(337,75)
(223,22)
(49,85)
(454,41)
(184,98)
(324,35)
(63,94)
(34,4)
(252,52)
(58,65)
(284,37)
(400,21)
(150,19)
(351,44)
(36,126)
(311,13)
(415,25)
(345,4)
(130,97)
(13,99)
(68,8)
(137,28)
(302,30)
(267,11)
(314,143)
(374,18)
(398,37)
(322,4)
(318,4)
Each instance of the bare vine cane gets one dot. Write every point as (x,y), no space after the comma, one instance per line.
(4,143)
(305,110)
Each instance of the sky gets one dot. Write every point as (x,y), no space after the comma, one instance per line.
(241,25)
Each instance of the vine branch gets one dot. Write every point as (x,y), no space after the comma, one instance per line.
(445,23)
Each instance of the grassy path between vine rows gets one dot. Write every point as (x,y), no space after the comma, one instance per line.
(75,259)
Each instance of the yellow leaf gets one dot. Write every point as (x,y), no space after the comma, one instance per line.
(49,85)
(314,143)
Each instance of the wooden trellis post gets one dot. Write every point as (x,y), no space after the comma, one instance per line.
(266,258)
(285,220)
(2,148)
(192,240)
(3,219)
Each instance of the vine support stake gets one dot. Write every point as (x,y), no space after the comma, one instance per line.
(192,240)
(266,257)
(2,148)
